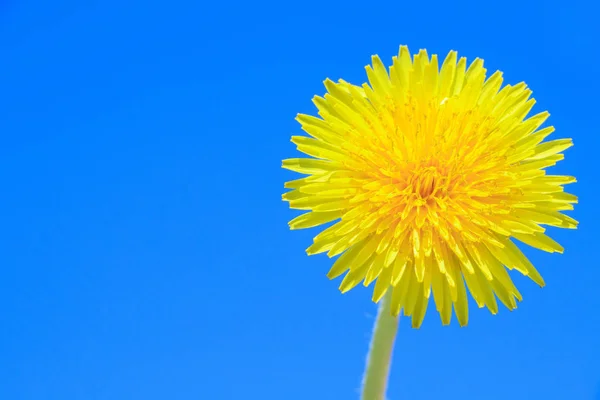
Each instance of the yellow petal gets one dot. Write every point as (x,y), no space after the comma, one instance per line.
(309,166)
(310,219)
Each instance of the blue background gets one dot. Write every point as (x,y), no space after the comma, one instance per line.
(144,248)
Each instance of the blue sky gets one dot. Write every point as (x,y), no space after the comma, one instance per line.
(144,249)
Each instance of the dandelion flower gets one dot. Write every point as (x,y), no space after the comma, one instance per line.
(427,177)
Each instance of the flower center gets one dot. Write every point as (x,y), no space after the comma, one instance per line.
(425,182)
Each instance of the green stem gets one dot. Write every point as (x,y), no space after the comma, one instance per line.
(380,352)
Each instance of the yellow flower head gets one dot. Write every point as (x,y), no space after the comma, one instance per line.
(428,174)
